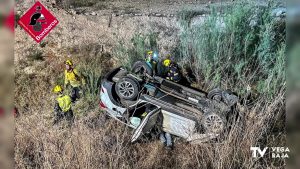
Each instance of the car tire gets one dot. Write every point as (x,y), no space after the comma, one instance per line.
(127,88)
(141,67)
(213,123)
(215,94)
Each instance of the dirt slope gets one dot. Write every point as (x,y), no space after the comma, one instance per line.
(103,28)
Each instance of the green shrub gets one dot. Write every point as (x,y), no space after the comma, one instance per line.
(137,49)
(43,44)
(92,78)
(242,46)
(91,62)
(36,55)
(226,51)
(186,15)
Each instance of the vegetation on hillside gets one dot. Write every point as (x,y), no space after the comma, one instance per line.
(245,46)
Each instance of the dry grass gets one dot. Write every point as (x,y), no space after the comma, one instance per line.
(93,142)
(97,142)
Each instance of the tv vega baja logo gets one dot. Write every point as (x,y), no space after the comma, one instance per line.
(38,21)
(276,152)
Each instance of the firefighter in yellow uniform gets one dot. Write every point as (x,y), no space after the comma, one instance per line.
(62,106)
(173,73)
(151,59)
(74,79)
(169,70)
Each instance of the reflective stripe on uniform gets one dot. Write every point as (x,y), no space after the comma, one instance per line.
(173,74)
(72,77)
(64,102)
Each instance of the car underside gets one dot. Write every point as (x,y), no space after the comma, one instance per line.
(186,112)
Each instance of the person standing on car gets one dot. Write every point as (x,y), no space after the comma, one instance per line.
(62,107)
(74,79)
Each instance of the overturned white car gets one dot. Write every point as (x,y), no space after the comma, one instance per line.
(189,113)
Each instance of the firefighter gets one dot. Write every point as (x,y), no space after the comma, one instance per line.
(74,79)
(163,67)
(169,70)
(150,59)
(173,73)
(62,106)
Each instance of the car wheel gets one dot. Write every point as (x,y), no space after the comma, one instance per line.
(142,68)
(213,123)
(229,98)
(215,94)
(127,88)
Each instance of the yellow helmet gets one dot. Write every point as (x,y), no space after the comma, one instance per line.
(150,52)
(69,62)
(57,89)
(167,62)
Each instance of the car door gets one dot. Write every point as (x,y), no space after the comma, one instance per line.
(147,124)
